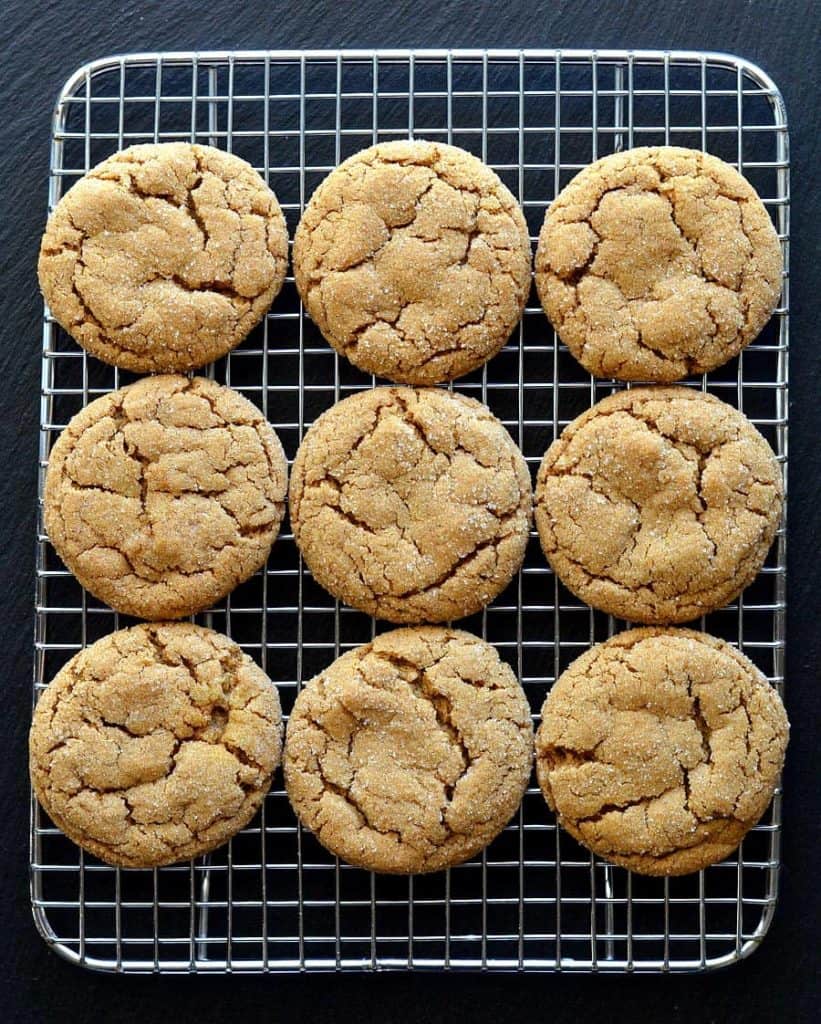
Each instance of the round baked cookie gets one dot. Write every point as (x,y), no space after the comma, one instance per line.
(410,754)
(413,259)
(413,505)
(660,749)
(155,744)
(658,504)
(656,263)
(165,495)
(163,257)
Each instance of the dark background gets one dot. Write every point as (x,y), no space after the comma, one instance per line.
(41,42)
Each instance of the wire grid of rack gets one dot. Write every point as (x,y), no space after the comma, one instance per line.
(273,900)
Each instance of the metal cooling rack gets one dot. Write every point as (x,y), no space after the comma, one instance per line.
(273,900)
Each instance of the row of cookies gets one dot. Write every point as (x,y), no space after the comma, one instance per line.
(414,505)
(657,750)
(414,261)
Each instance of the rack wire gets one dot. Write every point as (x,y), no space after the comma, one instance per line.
(273,899)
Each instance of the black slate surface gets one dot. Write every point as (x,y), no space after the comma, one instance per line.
(41,42)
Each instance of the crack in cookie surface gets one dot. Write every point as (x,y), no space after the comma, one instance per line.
(657,263)
(660,749)
(155,744)
(411,504)
(414,261)
(163,257)
(164,496)
(658,505)
(410,753)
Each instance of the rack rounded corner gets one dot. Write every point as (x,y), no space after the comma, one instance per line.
(60,949)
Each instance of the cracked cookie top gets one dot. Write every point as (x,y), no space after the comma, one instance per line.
(658,504)
(413,259)
(165,495)
(411,753)
(155,744)
(411,504)
(163,257)
(657,263)
(660,749)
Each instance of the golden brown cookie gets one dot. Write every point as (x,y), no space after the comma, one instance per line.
(658,504)
(660,749)
(155,744)
(165,495)
(163,257)
(411,504)
(413,259)
(657,263)
(411,753)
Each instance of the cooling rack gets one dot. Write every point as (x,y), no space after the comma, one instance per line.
(273,899)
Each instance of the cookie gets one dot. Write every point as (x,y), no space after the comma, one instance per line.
(409,754)
(656,263)
(155,744)
(658,504)
(412,505)
(163,257)
(660,749)
(164,496)
(413,259)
